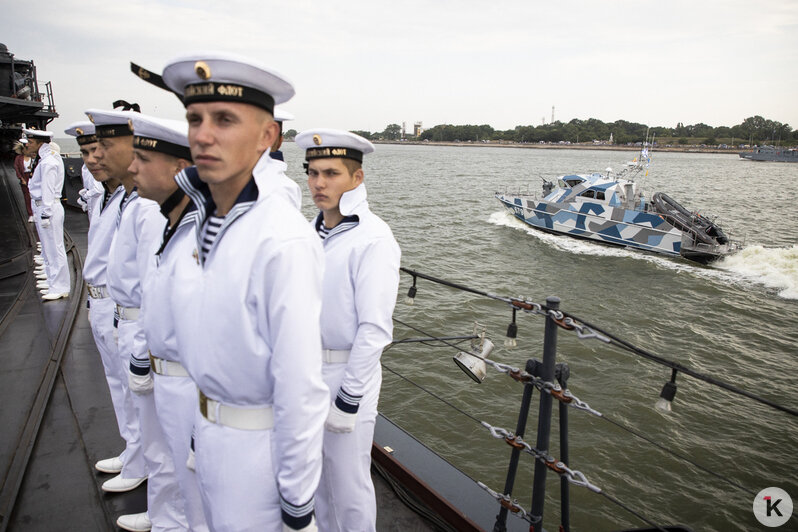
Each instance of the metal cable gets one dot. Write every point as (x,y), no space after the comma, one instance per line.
(614,340)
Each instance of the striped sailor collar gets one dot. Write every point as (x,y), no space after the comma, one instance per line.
(346,224)
(199,192)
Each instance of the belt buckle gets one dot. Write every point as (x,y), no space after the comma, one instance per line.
(153,365)
(203,404)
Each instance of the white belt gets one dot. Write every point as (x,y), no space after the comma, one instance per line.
(169,368)
(126,313)
(98,292)
(37,202)
(235,416)
(335,356)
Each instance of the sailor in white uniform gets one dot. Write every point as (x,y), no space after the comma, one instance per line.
(248,300)
(130,463)
(91,196)
(361,278)
(160,150)
(132,254)
(45,188)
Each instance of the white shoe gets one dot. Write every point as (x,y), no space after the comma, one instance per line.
(134,522)
(38,261)
(119,484)
(41,276)
(52,297)
(109,465)
(42,285)
(38,269)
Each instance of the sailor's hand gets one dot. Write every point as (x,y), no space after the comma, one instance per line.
(83,204)
(339,421)
(310,528)
(140,384)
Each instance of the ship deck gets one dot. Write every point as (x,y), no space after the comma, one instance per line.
(56,413)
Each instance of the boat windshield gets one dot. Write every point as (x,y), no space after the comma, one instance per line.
(569,181)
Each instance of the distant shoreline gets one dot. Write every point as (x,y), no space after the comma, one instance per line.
(536,146)
(605,147)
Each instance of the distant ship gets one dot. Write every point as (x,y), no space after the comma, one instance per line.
(770,153)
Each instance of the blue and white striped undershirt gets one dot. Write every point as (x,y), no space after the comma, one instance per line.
(210,230)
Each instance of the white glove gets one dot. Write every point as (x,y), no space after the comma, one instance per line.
(84,194)
(140,384)
(310,528)
(339,421)
(45,223)
(83,204)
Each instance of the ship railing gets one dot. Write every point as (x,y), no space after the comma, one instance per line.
(550,380)
(516,190)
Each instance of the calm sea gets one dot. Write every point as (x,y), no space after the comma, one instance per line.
(736,321)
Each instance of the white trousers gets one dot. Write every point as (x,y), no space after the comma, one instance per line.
(164,500)
(237,483)
(175,401)
(102,327)
(55,259)
(345,499)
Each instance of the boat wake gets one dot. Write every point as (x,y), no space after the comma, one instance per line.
(774,268)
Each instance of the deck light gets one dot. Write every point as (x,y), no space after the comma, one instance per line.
(411,293)
(665,401)
(473,364)
(512,333)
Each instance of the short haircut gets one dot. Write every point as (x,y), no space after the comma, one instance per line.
(352,165)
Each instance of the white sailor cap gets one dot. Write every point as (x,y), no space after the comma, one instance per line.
(325,143)
(281,115)
(220,76)
(111,123)
(83,132)
(38,134)
(161,135)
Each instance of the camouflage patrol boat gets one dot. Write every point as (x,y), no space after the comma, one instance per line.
(612,209)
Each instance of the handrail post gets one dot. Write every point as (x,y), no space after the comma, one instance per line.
(565,497)
(544,414)
(523,415)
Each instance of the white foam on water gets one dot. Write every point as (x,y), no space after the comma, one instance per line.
(775,268)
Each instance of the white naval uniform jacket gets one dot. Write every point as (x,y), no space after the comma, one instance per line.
(101,234)
(156,306)
(47,180)
(248,323)
(95,191)
(131,256)
(361,279)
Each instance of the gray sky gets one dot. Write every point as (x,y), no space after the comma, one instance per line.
(366,64)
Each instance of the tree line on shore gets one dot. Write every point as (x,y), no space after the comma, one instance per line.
(752,130)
